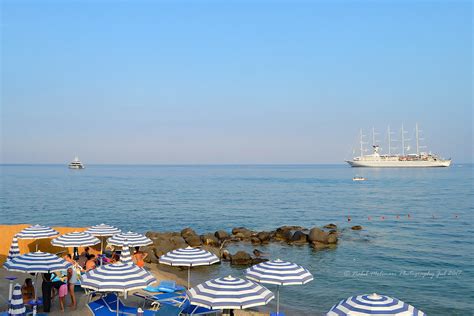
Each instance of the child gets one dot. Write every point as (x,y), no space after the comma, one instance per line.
(62,295)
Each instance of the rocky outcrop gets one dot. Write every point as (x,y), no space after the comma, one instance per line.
(298,237)
(264,237)
(191,238)
(241,258)
(210,240)
(316,235)
(221,235)
(242,233)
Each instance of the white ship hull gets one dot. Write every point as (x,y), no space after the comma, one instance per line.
(399,164)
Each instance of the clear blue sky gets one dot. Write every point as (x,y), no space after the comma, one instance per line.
(230,81)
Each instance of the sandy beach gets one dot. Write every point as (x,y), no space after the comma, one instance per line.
(8,231)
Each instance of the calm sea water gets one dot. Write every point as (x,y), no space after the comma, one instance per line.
(425,259)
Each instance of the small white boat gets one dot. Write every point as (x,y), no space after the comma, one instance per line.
(76,164)
(359,179)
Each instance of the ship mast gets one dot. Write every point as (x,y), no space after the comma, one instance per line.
(361,143)
(389,141)
(417,140)
(403,141)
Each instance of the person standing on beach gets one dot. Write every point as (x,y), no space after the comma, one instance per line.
(46,288)
(139,257)
(71,283)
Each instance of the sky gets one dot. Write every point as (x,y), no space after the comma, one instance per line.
(231,82)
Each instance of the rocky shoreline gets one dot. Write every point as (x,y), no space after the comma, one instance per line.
(317,237)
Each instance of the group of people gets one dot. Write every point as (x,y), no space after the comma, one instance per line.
(61,285)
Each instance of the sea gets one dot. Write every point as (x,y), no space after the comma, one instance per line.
(416,243)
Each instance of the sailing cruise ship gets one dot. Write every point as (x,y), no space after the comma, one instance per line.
(403,160)
(76,164)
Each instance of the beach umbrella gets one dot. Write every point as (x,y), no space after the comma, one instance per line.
(36,262)
(229,293)
(75,239)
(16,307)
(279,272)
(189,257)
(37,232)
(117,277)
(129,239)
(14,249)
(103,230)
(373,304)
(125,256)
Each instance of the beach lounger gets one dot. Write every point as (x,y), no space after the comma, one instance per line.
(106,306)
(176,300)
(165,287)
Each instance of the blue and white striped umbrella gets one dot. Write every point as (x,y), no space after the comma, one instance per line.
(103,230)
(75,239)
(189,257)
(37,262)
(117,277)
(373,305)
(37,232)
(229,293)
(125,256)
(16,306)
(129,239)
(279,272)
(14,249)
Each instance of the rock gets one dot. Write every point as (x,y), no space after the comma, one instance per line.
(286,232)
(210,240)
(178,242)
(226,255)
(317,235)
(257,253)
(193,241)
(356,227)
(241,232)
(255,240)
(241,258)
(188,232)
(258,260)
(264,237)
(214,250)
(298,237)
(221,235)
(330,226)
(319,246)
(332,239)
(150,258)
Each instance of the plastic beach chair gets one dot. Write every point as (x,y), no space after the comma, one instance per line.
(106,306)
(165,287)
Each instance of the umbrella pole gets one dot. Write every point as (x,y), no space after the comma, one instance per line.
(118,304)
(278,300)
(101,250)
(189,277)
(10,291)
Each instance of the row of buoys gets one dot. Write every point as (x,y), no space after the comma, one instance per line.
(398,217)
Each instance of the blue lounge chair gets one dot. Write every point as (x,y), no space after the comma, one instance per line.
(106,306)
(178,300)
(165,287)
